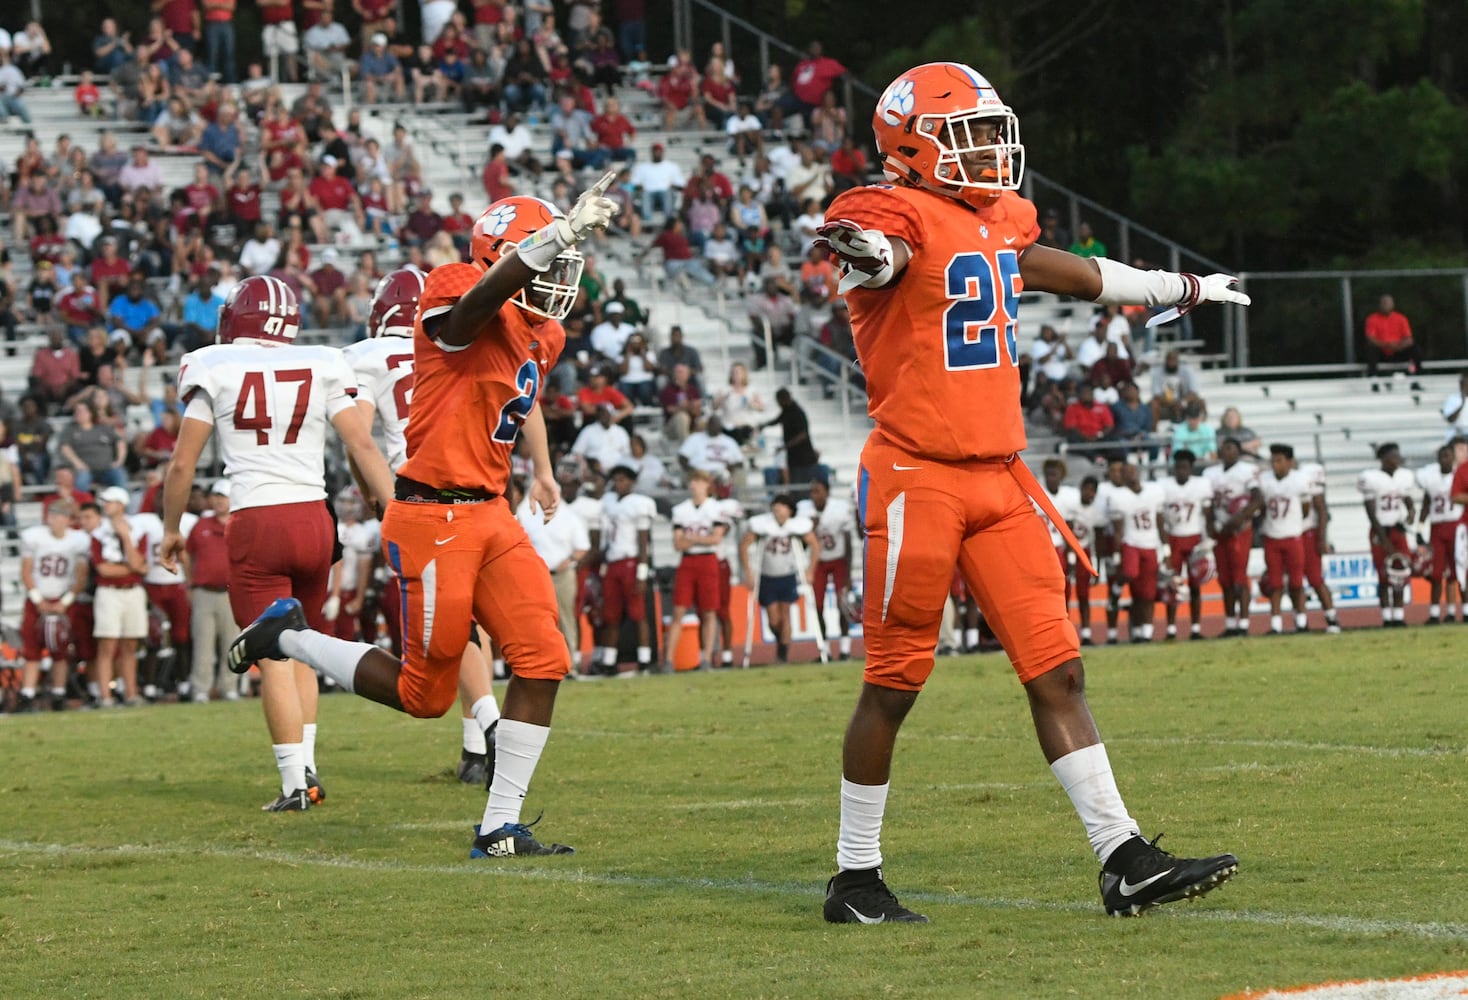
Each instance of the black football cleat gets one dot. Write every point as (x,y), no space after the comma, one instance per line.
(297,801)
(261,638)
(512,840)
(1140,875)
(472,768)
(859,896)
(314,791)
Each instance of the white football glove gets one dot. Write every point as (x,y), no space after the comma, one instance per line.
(865,254)
(331,608)
(593,210)
(1205,288)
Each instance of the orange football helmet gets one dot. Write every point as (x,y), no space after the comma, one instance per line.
(942,126)
(504,224)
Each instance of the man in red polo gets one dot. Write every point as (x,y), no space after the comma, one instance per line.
(1389,338)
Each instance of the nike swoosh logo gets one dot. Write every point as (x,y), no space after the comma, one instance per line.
(905,468)
(864,918)
(1127,889)
(1009,240)
(444,541)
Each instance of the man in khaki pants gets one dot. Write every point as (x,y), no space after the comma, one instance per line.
(562,542)
(213,622)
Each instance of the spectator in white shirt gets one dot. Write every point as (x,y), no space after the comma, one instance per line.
(260,252)
(745,131)
(1093,348)
(518,140)
(722,253)
(1454,410)
(711,450)
(603,444)
(652,474)
(326,46)
(658,182)
(610,335)
(1051,354)
(12,85)
(141,173)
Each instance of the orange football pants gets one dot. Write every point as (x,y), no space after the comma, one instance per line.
(461,563)
(923,517)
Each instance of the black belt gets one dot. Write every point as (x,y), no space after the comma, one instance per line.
(412,491)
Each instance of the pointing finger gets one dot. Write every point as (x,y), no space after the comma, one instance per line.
(604,184)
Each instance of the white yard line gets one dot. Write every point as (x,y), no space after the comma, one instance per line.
(555,871)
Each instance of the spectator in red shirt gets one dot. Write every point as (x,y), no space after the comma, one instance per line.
(336,196)
(612,130)
(848,165)
(201,194)
(330,303)
(1087,420)
(676,91)
(598,393)
(1389,338)
(813,76)
(497,183)
(212,621)
(423,222)
(682,404)
(717,93)
(88,97)
(679,263)
(56,371)
(458,220)
(78,306)
(156,447)
(109,271)
(242,201)
(65,480)
(182,18)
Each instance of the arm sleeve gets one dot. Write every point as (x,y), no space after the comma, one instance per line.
(200,408)
(340,385)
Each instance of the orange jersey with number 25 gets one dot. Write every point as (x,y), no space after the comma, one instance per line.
(937,345)
(468,403)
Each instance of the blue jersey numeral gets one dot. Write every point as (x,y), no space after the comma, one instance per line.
(971,321)
(513,413)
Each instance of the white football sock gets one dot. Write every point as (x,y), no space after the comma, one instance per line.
(859,845)
(644,655)
(1111,635)
(1330,616)
(727,656)
(336,658)
(845,646)
(1434,610)
(609,656)
(1276,623)
(1386,614)
(971,638)
(1302,621)
(518,746)
(290,758)
(1196,629)
(486,712)
(1172,631)
(308,744)
(1085,633)
(1399,614)
(1148,632)
(27,692)
(1229,624)
(474,737)
(1086,776)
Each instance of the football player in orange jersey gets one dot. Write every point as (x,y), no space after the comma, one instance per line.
(933,265)
(487,333)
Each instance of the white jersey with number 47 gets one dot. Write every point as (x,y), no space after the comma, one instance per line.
(270,406)
(384,370)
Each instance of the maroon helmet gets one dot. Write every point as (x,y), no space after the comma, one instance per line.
(395,303)
(1422,561)
(260,308)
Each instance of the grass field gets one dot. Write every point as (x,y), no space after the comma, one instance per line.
(137,863)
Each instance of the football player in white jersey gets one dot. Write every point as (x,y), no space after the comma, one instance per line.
(1067,503)
(1188,500)
(728,553)
(625,539)
(1136,512)
(699,527)
(779,567)
(1091,530)
(383,364)
(1110,543)
(1315,543)
(54,559)
(1236,499)
(1286,493)
(1439,510)
(1387,492)
(168,595)
(359,537)
(834,524)
(588,490)
(268,403)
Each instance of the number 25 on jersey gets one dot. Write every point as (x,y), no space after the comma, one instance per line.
(975,314)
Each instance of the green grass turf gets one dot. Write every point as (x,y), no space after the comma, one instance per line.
(136,861)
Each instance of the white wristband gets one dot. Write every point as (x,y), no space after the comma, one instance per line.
(1122,285)
(67,599)
(543,246)
(641,572)
(34,596)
